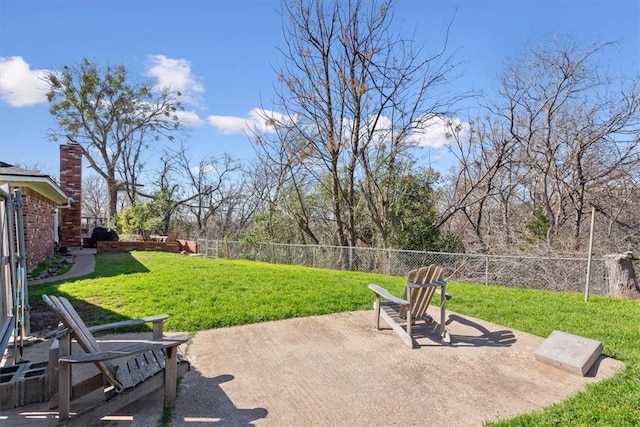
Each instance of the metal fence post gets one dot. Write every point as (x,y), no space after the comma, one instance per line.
(486,270)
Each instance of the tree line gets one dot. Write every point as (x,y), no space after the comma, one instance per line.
(340,163)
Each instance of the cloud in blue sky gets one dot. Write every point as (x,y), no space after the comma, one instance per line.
(20,86)
(189,118)
(256,120)
(175,74)
(434,132)
(437,132)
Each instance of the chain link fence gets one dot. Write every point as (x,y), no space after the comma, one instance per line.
(558,274)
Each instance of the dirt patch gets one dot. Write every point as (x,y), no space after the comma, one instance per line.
(42,320)
(54,266)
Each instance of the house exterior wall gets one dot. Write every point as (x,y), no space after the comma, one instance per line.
(38,227)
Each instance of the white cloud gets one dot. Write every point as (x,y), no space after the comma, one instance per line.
(189,118)
(207,170)
(437,132)
(228,124)
(19,85)
(174,74)
(257,119)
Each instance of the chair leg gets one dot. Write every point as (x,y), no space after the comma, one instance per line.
(64,390)
(377,312)
(170,376)
(52,368)
(443,312)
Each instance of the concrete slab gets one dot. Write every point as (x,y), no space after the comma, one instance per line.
(569,352)
(338,370)
(84,263)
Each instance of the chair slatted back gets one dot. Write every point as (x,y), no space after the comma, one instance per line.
(420,296)
(70,318)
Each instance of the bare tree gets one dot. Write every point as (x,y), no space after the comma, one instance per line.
(94,196)
(354,100)
(575,128)
(562,135)
(207,187)
(289,181)
(483,181)
(113,120)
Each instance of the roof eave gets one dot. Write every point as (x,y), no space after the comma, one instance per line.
(40,184)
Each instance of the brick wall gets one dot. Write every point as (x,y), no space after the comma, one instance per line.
(71,183)
(38,227)
(125,246)
(188,246)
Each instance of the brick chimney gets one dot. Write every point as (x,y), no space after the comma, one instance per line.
(71,183)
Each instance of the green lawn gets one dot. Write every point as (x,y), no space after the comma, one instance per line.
(201,293)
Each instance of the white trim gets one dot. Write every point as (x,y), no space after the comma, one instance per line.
(40,184)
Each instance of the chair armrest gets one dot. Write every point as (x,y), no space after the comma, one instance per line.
(132,322)
(446,294)
(128,351)
(382,292)
(427,285)
(431,284)
(442,282)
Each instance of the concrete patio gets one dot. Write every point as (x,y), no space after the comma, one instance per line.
(338,370)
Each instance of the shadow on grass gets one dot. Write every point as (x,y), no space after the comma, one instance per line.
(43,321)
(115,264)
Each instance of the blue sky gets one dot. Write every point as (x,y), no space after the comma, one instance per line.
(221,53)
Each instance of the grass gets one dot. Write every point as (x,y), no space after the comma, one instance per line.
(201,293)
(614,322)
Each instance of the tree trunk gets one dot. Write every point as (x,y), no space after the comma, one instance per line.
(622,277)
(112,191)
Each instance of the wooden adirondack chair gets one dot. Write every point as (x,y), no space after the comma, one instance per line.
(401,314)
(172,236)
(125,375)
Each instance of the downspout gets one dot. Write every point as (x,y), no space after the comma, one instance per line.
(21,276)
(56,221)
(56,224)
(12,246)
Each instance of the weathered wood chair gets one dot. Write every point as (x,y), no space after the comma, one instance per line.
(172,236)
(401,314)
(125,374)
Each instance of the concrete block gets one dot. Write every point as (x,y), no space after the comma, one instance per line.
(34,384)
(9,394)
(569,352)
(23,384)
